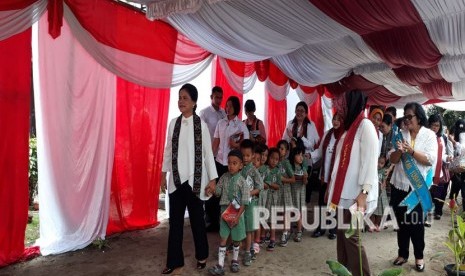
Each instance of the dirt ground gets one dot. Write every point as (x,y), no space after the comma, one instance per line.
(144,253)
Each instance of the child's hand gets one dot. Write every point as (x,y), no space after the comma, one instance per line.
(266,186)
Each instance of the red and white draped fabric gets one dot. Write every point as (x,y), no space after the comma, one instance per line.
(17,16)
(404,50)
(15,96)
(75,109)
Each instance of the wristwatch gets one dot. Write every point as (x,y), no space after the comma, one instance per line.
(364,191)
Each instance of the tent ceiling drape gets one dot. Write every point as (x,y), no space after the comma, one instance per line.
(405,48)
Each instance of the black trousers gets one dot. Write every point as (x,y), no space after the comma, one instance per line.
(439,192)
(411,226)
(322,204)
(212,206)
(458,185)
(180,199)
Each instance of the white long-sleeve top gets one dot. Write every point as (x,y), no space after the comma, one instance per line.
(186,155)
(224,130)
(211,116)
(425,142)
(362,171)
(312,135)
(317,154)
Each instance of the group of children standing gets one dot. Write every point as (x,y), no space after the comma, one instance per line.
(267,178)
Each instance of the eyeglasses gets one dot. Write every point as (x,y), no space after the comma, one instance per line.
(409,117)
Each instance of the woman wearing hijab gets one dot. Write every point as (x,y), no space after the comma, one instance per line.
(189,158)
(354,178)
(415,155)
(325,152)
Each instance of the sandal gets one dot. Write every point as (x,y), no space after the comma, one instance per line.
(399,261)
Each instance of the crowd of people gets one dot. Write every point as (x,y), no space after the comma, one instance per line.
(367,163)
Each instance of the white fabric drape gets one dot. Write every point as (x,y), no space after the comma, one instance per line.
(327,108)
(239,83)
(16,21)
(278,92)
(308,98)
(75,110)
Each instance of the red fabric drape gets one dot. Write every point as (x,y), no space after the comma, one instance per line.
(141,123)
(416,76)
(55,17)
(437,89)
(6,5)
(262,68)
(121,28)
(242,69)
(315,114)
(276,113)
(377,94)
(220,79)
(15,91)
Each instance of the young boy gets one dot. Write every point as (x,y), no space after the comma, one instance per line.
(255,183)
(231,188)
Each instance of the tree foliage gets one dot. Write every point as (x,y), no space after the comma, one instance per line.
(449,116)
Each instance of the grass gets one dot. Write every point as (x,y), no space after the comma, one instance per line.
(32,230)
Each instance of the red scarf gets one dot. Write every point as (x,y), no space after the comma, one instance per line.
(344,160)
(437,172)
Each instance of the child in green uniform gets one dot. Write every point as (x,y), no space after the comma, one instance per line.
(255,183)
(273,180)
(296,157)
(287,179)
(261,152)
(232,189)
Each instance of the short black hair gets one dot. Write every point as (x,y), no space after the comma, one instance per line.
(294,152)
(249,106)
(436,118)
(282,142)
(270,152)
(217,89)
(191,90)
(391,110)
(247,144)
(236,104)
(419,112)
(387,119)
(237,153)
(260,148)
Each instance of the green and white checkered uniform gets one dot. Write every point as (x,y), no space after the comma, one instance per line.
(285,196)
(262,197)
(228,188)
(298,188)
(254,181)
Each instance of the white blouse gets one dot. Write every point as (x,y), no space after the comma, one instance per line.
(225,129)
(425,142)
(312,135)
(317,154)
(211,116)
(186,155)
(362,171)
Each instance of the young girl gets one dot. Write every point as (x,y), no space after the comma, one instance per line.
(382,199)
(298,188)
(287,178)
(261,152)
(273,181)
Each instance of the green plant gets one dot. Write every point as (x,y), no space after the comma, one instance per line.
(33,174)
(356,224)
(456,238)
(101,244)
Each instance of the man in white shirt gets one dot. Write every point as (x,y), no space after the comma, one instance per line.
(213,113)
